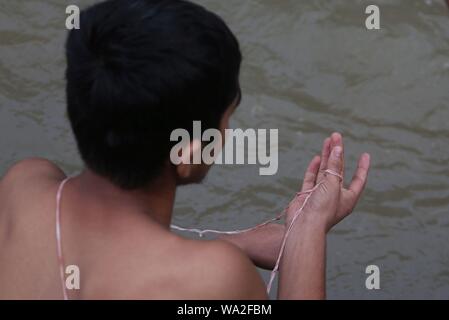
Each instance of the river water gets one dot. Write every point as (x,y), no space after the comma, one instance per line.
(311,68)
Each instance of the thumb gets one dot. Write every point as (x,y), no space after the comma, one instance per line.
(335,163)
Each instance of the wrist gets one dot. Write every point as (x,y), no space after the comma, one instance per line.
(312,223)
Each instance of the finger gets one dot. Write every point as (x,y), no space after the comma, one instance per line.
(337,140)
(324,158)
(335,163)
(360,178)
(311,174)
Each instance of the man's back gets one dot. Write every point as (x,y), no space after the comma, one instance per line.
(120,253)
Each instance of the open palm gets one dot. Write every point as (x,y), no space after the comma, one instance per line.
(315,173)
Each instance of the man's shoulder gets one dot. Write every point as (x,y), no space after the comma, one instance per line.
(225,272)
(217,270)
(30,175)
(194,270)
(29,168)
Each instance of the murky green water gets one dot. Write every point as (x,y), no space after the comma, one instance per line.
(311,68)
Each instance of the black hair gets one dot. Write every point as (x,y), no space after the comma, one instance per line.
(137,70)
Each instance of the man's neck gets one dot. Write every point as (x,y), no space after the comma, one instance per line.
(156,201)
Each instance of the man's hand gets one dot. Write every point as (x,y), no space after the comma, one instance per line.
(349,196)
(262,245)
(303,265)
(315,173)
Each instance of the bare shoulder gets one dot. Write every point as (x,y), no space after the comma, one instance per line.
(225,272)
(30,176)
(210,270)
(30,171)
(171,267)
(31,167)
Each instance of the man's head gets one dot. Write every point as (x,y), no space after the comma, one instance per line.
(139,69)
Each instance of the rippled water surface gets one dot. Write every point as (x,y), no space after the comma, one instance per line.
(310,68)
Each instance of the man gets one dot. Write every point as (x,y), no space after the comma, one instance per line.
(137,70)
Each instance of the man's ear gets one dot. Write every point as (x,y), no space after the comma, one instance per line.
(190,156)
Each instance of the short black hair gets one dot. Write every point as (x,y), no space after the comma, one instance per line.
(137,70)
